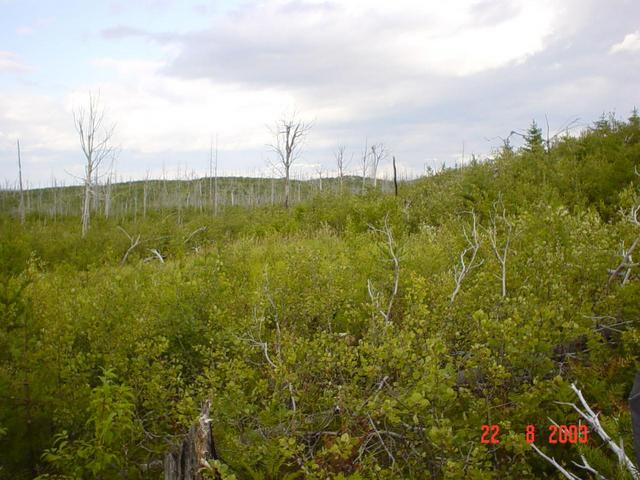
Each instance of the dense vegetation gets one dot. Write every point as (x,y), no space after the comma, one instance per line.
(317,363)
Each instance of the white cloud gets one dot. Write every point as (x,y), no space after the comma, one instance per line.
(35,27)
(10,62)
(630,43)
(156,113)
(292,43)
(420,76)
(38,119)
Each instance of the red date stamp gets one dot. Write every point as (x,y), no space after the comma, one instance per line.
(556,434)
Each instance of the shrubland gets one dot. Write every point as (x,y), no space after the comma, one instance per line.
(327,335)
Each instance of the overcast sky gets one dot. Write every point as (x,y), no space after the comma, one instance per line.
(424,77)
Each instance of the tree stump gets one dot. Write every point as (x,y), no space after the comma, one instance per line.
(186,461)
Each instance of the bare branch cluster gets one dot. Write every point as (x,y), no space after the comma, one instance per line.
(255,340)
(626,263)
(468,257)
(499,216)
(289,134)
(95,141)
(593,421)
(377,154)
(394,256)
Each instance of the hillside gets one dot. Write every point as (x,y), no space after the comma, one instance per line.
(356,334)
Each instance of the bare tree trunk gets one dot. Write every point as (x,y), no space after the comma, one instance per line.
(289,136)
(378,153)
(215,182)
(211,173)
(365,157)
(21,206)
(107,198)
(467,263)
(273,191)
(145,189)
(87,199)
(499,251)
(395,176)
(95,140)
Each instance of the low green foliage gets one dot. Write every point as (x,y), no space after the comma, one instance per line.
(290,322)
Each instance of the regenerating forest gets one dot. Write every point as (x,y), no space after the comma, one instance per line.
(358,333)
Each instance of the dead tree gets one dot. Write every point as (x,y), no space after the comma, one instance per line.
(213,177)
(393,252)
(395,176)
(145,194)
(634,407)
(21,205)
(592,419)
(277,363)
(468,256)
(133,243)
(289,134)
(107,197)
(627,264)
(364,163)
(95,141)
(340,162)
(378,153)
(320,172)
(499,216)
(191,458)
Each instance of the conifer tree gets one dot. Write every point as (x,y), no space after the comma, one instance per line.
(534,142)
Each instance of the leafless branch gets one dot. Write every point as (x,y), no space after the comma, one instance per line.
(134,242)
(468,256)
(194,233)
(499,215)
(592,419)
(156,254)
(95,141)
(377,154)
(394,256)
(289,134)
(552,461)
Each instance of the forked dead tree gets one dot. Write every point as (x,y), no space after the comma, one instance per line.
(341,163)
(499,221)
(95,141)
(378,153)
(393,252)
(133,243)
(468,257)
(289,135)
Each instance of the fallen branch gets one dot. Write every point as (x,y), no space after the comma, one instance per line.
(193,234)
(133,244)
(156,254)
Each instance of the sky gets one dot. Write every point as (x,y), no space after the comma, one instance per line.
(434,81)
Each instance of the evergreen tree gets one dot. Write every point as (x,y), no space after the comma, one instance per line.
(533,139)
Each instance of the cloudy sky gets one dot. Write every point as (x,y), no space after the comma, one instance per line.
(424,77)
